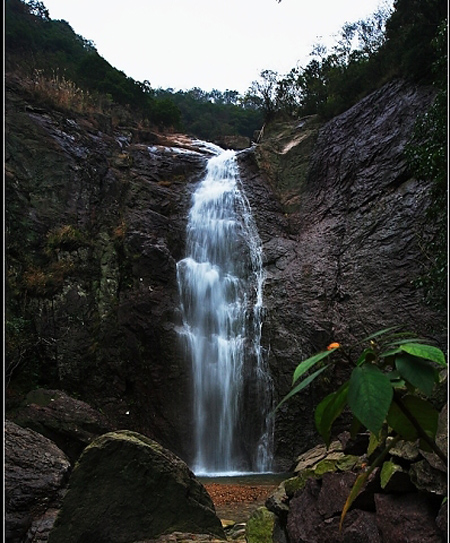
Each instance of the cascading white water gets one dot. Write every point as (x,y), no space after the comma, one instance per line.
(220,283)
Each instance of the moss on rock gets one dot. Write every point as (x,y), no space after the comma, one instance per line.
(260,526)
(298,483)
(127,487)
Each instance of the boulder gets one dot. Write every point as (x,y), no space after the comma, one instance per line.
(36,471)
(407,518)
(278,502)
(442,520)
(70,423)
(127,487)
(260,526)
(314,513)
(428,479)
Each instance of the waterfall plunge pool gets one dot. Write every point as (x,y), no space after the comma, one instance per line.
(236,497)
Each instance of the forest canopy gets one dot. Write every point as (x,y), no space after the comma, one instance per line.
(391,43)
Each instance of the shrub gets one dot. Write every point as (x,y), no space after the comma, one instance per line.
(388,393)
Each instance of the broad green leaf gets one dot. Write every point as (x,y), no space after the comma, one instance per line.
(394,347)
(417,371)
(369,396)
(307,364)
(301,386)
(423,412)
(328,410)
(429,352)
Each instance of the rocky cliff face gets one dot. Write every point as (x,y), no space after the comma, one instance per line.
(95,225)
(345,246)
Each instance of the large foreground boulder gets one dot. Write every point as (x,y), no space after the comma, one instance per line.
(36,471)
(125,488)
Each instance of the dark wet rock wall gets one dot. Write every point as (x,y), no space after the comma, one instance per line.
(343,225)
(95,223)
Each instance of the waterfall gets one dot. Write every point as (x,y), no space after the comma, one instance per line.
(220,283)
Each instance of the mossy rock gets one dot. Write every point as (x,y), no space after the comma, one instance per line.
(126,487)
(294,484)
(325,466)
(347,462)
(41,397)
(260,526)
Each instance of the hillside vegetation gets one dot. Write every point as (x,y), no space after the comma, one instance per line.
(67,72)
(367,54)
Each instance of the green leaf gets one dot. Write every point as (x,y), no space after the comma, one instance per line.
(421,410)
(355,427)
(301,386)
(304,366)
(391,352)
(364,355)
(379,333)
(369,396)
(405,340)
(374,441)
(429,352)
(417,372)
(359,483)
(328,410)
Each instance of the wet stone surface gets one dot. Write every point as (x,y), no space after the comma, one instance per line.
(237,502)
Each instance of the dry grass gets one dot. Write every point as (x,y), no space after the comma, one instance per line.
(40,282)
(65,238)
(63,94)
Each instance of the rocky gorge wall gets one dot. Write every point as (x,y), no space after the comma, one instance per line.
(95,220)
(95,224)
(344,247)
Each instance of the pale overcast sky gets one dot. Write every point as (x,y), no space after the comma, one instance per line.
(211,44)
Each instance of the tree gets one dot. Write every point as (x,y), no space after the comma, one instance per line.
(263,93)
(38,9)
(165,113)
(427,156)
(387,44)
(410,31)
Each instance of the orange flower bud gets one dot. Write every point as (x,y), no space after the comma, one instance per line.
(333,346)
